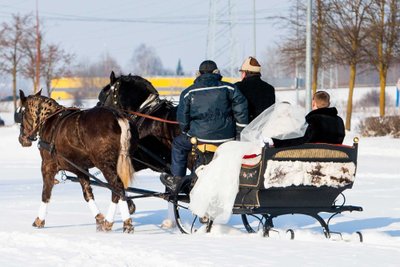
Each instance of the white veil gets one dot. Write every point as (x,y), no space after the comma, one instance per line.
(281,120)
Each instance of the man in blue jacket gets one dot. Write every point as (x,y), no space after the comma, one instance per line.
(210,110)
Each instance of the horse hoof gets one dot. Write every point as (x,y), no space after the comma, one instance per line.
(168,224)
(99,222)
(107,226)
(131,206)
(38,223)
(128,227)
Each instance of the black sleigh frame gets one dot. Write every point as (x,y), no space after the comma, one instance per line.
(255,201)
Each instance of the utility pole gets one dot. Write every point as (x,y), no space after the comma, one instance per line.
(37,80)
(308,57)
(297,78)
(231,41)
(210,51)
(221,42)
(254,29)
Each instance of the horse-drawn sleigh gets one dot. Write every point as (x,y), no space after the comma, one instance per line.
(143,139)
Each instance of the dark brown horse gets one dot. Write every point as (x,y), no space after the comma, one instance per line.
(155,118)
(77,140)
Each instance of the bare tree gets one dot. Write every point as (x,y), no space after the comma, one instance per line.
(29,52)
(384,41)
(348,29)
(100,68)
(294,47)
(294,44)
(94,74)
(146,62)
(11,54)
(54,60)
(55,63)
(271,69)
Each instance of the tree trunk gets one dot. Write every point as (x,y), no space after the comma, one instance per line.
(315,78)
(14,86)
(382,100)
(35,89)
(353,69)
(318,46)
(48,87)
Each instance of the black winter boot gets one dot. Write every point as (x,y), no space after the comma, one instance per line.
(172,183)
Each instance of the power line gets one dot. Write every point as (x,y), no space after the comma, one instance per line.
(246,18)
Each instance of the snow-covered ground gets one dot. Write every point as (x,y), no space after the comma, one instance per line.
(69,237)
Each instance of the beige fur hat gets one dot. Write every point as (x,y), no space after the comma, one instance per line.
(251,64)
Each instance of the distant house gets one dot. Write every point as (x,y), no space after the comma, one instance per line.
(69,88)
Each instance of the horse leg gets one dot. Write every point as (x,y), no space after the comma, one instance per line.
(109,220)
(49,171)
(169,222)
(89,197)
(116,200)
(131,206)
(125,215)
(126,218)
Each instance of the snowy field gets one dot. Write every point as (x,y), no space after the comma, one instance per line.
(69,237)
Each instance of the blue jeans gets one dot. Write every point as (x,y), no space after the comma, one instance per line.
(181,148)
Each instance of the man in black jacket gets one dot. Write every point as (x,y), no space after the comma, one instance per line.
(210,110)
(260,95)
(324,124)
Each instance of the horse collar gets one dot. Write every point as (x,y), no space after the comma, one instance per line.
(149,102)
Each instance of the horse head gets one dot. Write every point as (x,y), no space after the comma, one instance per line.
(34,111)
(129,92)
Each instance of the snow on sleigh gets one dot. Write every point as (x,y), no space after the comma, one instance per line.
(308,179)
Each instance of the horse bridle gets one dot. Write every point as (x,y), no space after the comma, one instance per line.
(114,88)
(32,135)
(19,118)
(151,100)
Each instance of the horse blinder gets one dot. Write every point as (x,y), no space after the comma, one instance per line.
(18,115)
(23,138)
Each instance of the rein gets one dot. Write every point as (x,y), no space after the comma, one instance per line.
(150,117)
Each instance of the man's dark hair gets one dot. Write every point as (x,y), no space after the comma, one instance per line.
(207,66)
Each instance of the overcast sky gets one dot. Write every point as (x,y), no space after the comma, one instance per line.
(176,29)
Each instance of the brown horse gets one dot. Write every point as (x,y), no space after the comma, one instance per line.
(77,140)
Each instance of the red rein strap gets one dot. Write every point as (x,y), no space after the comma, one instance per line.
(151,117)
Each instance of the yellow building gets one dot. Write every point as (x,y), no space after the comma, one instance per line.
(66,88)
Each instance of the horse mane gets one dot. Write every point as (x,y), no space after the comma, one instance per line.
(140,81)
(46,100)
(46,103)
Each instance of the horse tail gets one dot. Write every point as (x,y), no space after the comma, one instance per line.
(124,165)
